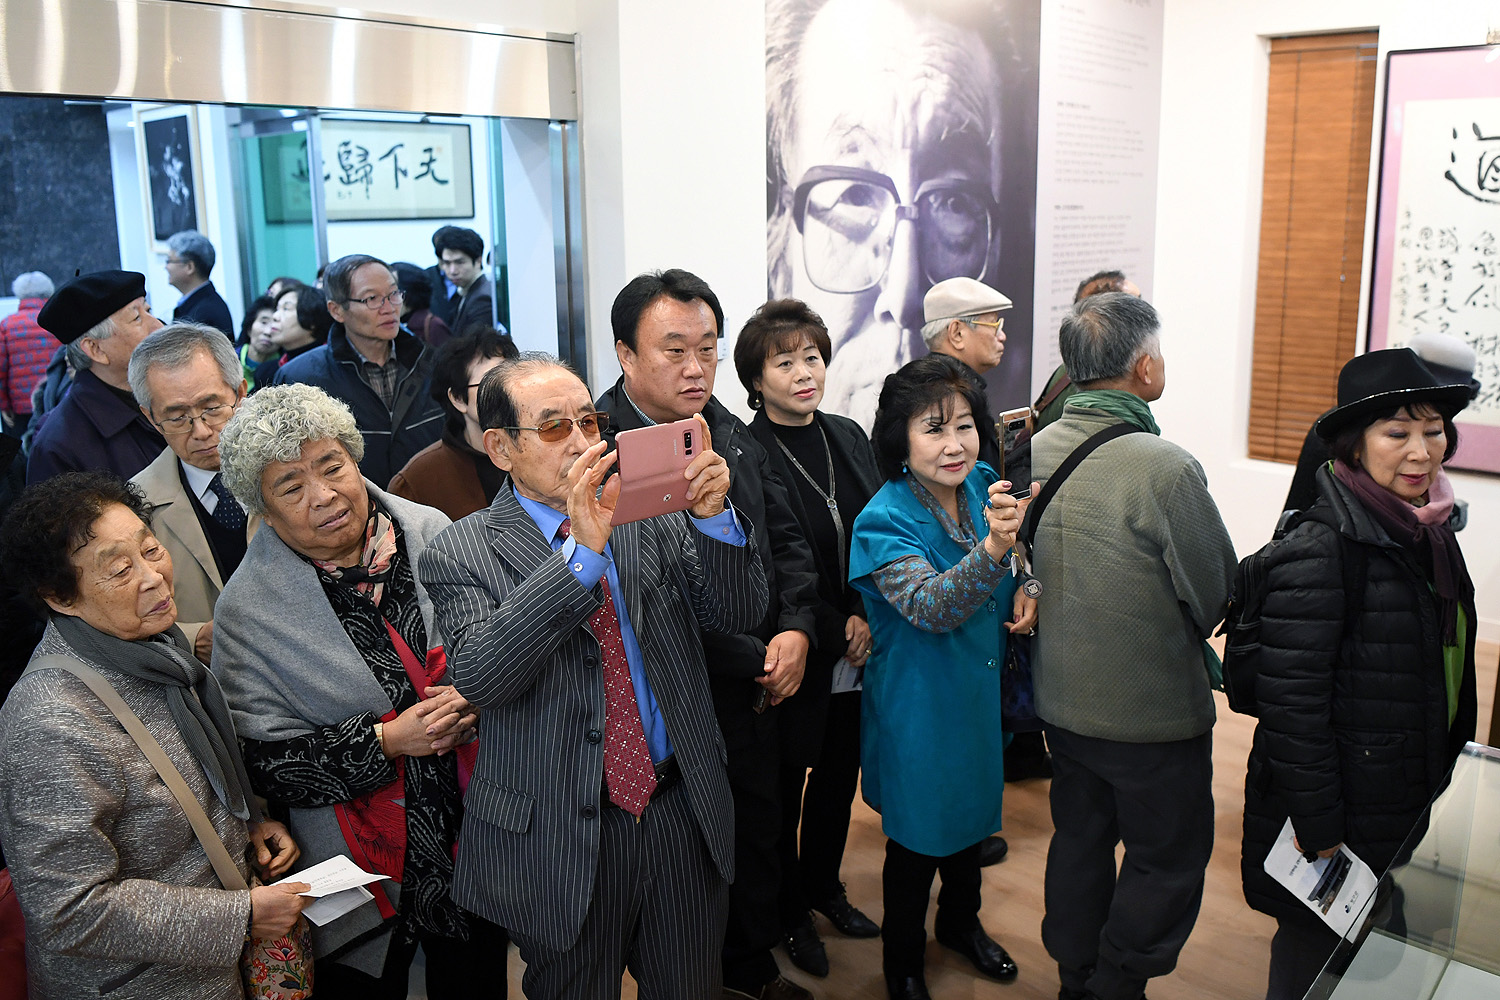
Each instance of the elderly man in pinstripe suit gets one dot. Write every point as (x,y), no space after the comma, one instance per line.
(599,824)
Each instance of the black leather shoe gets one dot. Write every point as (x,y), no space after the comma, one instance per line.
(848,918)
(909,988)
(992,851)
(806,949)
(981,949)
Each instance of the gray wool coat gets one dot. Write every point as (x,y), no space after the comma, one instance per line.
(288,667)
(118,896)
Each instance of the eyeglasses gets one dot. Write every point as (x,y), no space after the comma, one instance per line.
(848,217)
(561,428)
(378,302)
(993,324)
(213,418)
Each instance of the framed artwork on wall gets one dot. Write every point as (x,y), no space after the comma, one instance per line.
(396,170)
(166,139)
(1436,266)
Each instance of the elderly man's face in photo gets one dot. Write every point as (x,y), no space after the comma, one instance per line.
(894,165)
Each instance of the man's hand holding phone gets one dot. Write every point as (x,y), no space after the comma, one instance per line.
(708,477)
(590,509)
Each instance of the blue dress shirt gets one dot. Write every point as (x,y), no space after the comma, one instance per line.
(587,566)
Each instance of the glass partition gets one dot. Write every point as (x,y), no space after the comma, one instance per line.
(1433,929)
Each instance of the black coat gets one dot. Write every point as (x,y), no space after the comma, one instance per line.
(93,428)
(1353,737)
(759,497)
(391,436)
(205,305)
(805,714)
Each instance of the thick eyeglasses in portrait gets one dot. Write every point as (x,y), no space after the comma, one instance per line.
(378,302)
(213,418)
(848,217)
(560,428)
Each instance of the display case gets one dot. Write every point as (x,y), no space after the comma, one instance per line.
(1433,931)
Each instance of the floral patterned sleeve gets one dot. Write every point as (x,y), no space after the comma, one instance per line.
(326,767)
(939,602)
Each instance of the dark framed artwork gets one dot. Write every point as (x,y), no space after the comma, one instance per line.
(167,146)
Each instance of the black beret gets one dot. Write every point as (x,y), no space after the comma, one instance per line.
(87,301)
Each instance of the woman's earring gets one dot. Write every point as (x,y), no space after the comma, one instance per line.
(903,468)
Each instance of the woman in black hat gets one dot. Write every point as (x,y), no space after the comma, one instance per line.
(1366,689)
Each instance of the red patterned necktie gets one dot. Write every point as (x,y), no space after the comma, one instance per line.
(628,772)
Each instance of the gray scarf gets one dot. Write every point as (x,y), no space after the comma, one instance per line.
(203,721)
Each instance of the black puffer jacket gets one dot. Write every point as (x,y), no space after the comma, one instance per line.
(1353,737)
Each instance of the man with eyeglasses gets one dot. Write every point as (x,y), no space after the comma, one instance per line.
(888,121)
(597,827)
(666,327)
(374,364)
(188,381)
(963,321)
(100,318)
(190,260)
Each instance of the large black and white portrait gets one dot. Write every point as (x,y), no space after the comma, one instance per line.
(901,150)
(167,152)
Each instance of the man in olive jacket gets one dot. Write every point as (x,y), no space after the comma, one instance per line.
(666,327)
(1135,566)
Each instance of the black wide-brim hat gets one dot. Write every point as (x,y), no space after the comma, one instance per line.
(88,300)
(1381,382)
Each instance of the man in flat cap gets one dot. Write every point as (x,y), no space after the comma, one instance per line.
(100,316)
(962,320)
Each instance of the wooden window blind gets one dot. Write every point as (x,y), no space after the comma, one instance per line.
(1319,112)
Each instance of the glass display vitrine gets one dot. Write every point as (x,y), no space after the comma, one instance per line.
(1433,931)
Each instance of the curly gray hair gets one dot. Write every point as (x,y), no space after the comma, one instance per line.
(272,426)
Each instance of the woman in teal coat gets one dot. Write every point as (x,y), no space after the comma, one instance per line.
(930,554)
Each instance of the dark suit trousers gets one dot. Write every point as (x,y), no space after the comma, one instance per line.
(657,910)
(1109,931)
(456,970)
(754,921)
(811,875)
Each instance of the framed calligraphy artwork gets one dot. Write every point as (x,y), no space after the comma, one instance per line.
(1437,225)
(396,170)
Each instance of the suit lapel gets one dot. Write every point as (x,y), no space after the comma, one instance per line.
(174,513)
(514,535)
(628,552)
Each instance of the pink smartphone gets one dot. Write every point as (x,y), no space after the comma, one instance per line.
(651,463)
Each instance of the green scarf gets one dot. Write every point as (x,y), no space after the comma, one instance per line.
(1117,402)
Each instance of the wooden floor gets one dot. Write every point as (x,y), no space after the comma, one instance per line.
(1224,959)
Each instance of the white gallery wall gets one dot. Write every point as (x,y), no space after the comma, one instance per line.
(1214,72)
(672,132)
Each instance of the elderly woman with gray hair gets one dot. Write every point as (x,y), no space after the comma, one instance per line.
(326,645)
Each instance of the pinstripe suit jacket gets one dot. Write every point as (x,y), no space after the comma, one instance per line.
(516,623)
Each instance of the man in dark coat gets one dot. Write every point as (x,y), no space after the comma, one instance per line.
(190,259)
(374,364)
(461,256)
(100,317)
(666,326)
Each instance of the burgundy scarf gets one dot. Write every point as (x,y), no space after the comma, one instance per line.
(1422,531)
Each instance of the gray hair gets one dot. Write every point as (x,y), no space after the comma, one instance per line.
(338,277)
(175,346)
(102,330)
(193,246)
(272,426)
(32,285)
(1104,335)
(497,407)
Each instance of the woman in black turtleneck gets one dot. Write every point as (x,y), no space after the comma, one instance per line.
(827,465)
(453,473)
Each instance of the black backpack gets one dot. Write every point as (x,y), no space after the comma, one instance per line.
(1247,597)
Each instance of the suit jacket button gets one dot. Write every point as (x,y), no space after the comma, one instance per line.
(588,812)
(590,661)
(594,736)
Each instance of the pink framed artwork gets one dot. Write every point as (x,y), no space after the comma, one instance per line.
(1436,264)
